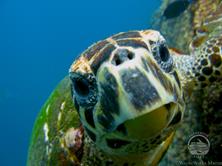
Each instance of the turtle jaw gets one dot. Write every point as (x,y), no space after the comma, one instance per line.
(122,123)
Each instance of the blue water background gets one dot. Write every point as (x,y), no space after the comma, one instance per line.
(39,39)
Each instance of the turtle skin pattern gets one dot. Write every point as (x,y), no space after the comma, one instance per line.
(197,31)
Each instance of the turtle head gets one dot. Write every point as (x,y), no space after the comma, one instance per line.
(127,92)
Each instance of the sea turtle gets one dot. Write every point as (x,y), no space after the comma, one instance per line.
(120,105)
(123,101)
(128,95)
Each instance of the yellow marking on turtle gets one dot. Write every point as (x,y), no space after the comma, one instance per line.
(161,149)
(112,41)
(81,65)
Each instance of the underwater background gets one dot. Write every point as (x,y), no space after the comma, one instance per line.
(38,42)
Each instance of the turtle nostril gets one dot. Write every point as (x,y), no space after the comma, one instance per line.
(121,56)
(130,55)
(118,61)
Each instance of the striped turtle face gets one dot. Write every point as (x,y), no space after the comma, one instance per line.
(127,92)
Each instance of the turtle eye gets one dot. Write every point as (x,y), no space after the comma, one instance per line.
(84,89)
(81,87)
(164,53)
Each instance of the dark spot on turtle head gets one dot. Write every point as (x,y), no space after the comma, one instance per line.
(207,71)
(102,57)
(90,52)
(198,67)
(91,135)
(135,43)
(176,119)
(212,79)
(151,42)
(109,94)
(215,60)
(125,35)
(201,78)
(89,117)
(116,143)
(168,106)
(122,129)
(204,62)
(106,120)
(188,73)
(136,84)
(197,74)
(203,85)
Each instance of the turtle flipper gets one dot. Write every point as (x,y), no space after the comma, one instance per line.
(57,133)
